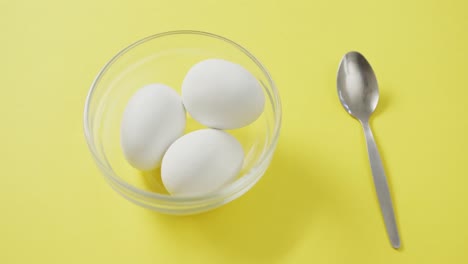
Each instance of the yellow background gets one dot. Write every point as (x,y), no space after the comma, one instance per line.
(316,203)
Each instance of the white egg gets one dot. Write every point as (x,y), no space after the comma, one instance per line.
(201,162)
(221,94)
(153,119)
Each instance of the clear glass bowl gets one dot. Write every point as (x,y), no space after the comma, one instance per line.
(166,58)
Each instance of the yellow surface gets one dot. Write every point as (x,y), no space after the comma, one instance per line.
(316,203)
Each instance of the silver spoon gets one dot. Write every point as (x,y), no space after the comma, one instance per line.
(359,94)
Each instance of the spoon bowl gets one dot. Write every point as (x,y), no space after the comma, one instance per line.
(357,86)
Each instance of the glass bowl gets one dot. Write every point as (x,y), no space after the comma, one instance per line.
(165,58)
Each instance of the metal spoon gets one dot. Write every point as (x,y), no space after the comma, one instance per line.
(359,94)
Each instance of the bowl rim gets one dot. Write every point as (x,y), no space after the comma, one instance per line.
(228,190)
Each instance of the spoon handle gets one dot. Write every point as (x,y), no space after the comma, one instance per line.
(381,187)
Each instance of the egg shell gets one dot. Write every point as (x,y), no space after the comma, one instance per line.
(201,162)
(153,119)
(222,94)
